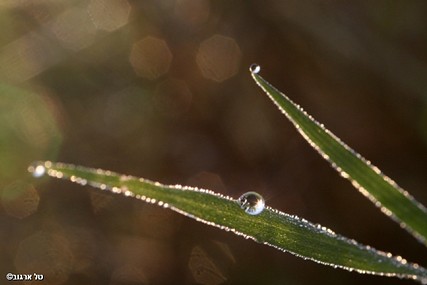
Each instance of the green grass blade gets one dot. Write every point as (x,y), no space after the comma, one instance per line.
(271,227)
(368,179)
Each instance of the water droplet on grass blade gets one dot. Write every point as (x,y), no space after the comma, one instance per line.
(37,170)
(252,202)
(255,68)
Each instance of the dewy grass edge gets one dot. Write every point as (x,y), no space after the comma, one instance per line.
(367,178)
(271,227)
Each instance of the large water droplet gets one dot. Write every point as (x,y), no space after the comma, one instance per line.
(37,170)
(252,202)
(255,68)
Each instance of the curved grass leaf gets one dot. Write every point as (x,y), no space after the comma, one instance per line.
(368,179)
(271,227)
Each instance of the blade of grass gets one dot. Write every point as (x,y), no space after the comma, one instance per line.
(271,227)
(368,179)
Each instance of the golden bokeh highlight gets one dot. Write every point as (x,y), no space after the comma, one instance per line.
(150,57)
(218,58)
(46,253)
(20,199)
(43,14)
(74,29)
(25,58)
(109,15)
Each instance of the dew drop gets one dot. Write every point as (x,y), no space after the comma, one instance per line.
(255,68)
(37,170)
(252,202)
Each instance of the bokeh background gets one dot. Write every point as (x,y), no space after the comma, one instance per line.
(161,89)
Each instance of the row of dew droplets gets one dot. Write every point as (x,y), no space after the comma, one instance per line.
(39,169)
(255,69)
(398,260)
(251,202)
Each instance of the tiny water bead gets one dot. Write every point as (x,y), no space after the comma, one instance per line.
(252,202)
(37,170)
(255,68)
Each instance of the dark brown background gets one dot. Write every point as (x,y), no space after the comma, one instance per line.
(161,89)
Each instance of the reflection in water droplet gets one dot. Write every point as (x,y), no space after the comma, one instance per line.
(255,68)
(252,202)
(38,170)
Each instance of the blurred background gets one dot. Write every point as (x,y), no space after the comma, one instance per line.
(161,89)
